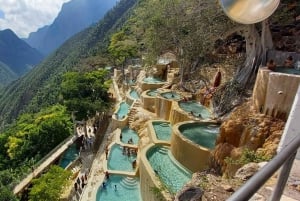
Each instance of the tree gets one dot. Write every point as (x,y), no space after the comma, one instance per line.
(86,93)
(6,194)
(188,28)
(49,127)
(50,186)
(122,47)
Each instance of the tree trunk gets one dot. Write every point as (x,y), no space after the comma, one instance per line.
(231,94)
(266,40)
(247,73)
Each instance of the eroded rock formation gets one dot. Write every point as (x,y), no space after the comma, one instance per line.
(245,128)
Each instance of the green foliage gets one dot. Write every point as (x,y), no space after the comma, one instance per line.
(158,193)
(6,179)
(122,46)
(41,86)
(189,28)
(86,93)
(24,139)
(248,156)
(50,186)
(6,194)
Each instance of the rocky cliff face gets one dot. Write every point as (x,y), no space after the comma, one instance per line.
(244,129)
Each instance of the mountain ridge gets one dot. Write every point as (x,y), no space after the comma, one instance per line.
(49,38)
(40,87)
(17,54)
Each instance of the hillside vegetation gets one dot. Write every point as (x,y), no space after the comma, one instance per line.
(41,86)
(196,31)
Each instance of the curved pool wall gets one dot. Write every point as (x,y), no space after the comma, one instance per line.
(190,154)
(163,104)
(159,131)
(120,122)
(131,96)
(177,114)
(195,109)
(128,189)
(144,86)
(149,180)
(148,100)
(170,95)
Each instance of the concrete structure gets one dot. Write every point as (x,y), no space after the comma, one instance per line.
(179,115)
(191,155)
(292,127)
(152,134)
(274,92)
(148,102)
(48,160)
(151,187)
(146,86)
(118,122)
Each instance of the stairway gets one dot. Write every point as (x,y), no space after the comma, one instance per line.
(129,183)
(133,111)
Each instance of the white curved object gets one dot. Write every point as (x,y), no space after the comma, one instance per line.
(249,11)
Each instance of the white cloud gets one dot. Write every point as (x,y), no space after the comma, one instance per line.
(25,16)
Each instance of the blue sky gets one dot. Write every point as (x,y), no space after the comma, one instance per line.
(1,14)
(26,16)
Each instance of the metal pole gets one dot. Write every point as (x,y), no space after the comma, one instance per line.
(257,180)
(283,177)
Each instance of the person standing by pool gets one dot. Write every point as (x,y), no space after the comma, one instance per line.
(106,175)
(106,152)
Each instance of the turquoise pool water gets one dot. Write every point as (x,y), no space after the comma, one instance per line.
(134,94)
(128,189)
(162,130)
(123,110)
(152,92)
(118,161)
(203,134)
(196,108)
(128,133)
(287,70)
(171,95)
(152,80)
(69,156)
(171,173)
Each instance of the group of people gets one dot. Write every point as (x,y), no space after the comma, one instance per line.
(81,181)
(104,183)
(129,151)
(288,63)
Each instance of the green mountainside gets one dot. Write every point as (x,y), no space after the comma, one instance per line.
(41,86)
(6,75)
(16,53)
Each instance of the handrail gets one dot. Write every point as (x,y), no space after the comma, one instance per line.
(284,158)
(40,162)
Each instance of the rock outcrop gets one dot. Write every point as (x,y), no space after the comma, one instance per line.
(244,129)
(207,186)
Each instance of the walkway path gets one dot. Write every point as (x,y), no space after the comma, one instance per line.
(52,156)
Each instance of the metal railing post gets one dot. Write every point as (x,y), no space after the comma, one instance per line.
(246,191)
(283,177)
